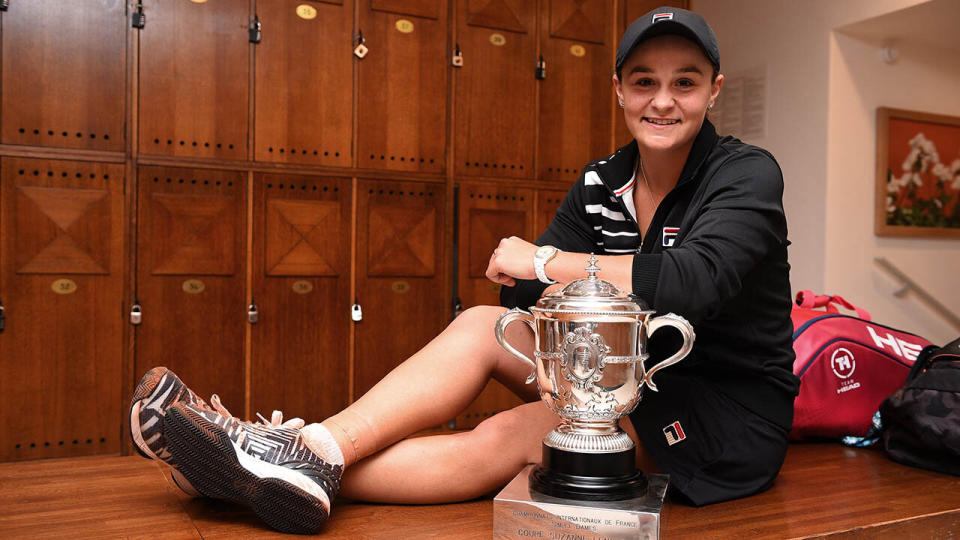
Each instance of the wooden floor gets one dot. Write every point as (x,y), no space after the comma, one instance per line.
(825,490)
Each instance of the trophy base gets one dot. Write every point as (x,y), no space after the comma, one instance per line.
(588,477)
(519,511)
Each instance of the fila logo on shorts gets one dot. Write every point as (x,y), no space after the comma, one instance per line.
(657,17)
(670,235)
(674,433)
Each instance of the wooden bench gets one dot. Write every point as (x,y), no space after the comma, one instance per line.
(824,490)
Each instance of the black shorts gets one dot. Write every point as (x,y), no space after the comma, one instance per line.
(713,448)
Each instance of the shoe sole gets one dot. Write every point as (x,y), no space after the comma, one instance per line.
(209,461)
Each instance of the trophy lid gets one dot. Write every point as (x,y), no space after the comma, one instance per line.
(592,294)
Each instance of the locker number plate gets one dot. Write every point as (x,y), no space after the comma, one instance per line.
(400,287)
(306,11)
(64,286)
(404,26)
(193,286)
(498,39)
(577,50)
(302,286)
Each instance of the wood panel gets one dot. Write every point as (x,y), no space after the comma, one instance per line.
(487,214)
(403,86)
(304,90)
(191,270)
(64,74)
(301,287)
(400,253)
(575,106)
(629,11)
(495,88)
(61,280)
(194,79)
(548,201)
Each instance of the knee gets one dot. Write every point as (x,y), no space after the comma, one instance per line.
(478,317)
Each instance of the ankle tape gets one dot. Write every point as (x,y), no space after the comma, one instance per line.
(360,433)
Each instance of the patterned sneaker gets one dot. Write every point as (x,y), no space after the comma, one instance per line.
(265,466)
(158,389)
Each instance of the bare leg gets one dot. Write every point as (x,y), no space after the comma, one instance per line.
(433,385)
(457,467)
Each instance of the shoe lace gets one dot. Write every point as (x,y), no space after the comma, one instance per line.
(276,419)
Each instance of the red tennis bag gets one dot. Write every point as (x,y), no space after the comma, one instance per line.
(847,365)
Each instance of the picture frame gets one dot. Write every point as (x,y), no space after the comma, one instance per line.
(918,174)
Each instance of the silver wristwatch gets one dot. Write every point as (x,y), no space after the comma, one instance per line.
(541,257)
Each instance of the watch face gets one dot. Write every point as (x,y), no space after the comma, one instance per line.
(544,251)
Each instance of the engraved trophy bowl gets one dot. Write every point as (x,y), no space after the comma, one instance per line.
(590,350)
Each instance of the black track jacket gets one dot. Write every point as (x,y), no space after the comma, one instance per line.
(715,253)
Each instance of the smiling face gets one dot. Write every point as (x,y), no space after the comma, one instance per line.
(665,91)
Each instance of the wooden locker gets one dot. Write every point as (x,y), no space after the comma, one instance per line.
(191,272)
(301,288)
(64,74)
(400,254)
(61,284)
(403,85)
(495,88)
(304,82)
(629,11)
(194,79)
(575,106)
(548,201)
(487,214)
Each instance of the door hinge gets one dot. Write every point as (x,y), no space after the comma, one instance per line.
(139,19)
(255,29)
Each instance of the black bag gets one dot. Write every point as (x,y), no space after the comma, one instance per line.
(921,421)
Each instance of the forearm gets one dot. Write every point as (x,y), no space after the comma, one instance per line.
(569,266)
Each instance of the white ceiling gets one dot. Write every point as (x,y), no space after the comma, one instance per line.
(934,24)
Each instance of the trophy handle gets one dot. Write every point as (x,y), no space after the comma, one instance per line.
(686,331)
(505,319)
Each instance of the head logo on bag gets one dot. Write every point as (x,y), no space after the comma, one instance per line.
(843,363)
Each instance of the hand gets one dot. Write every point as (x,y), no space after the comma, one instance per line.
(512,260)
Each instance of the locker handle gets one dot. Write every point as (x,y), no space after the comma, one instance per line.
(136,314)
(253,314)
(3,319)
(139,19)
(541,71)
(356,312)
(457,60)
(255,29)
(4,4)
(361,49)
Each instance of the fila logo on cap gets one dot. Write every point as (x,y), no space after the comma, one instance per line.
(674,433)
(670,235)
(657,17)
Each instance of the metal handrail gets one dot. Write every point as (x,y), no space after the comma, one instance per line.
(909,284)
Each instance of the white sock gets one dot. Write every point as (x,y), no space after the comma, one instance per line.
(321,442)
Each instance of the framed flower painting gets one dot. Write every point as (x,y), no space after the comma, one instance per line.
(918,174)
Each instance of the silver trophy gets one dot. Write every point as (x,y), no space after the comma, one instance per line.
(590,349)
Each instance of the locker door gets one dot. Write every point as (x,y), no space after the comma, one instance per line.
(399,274)
(61,282)
(495,88)
(304,82)
(629,11)
(64,74)
(575,120)
(403,85)
(547,203)
(191,269)
(487,214)
(194,79)
(301,287)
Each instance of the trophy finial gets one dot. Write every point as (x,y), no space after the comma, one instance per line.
(592,269)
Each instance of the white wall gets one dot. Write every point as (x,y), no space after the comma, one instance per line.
(924,79)
(822,92)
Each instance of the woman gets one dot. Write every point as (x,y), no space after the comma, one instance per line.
(690,222)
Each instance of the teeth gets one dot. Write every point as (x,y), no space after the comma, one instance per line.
(662,122)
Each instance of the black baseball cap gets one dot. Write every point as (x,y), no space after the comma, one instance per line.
(669,20)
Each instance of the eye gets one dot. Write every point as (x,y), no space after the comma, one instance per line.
(644,81)
(685,83)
